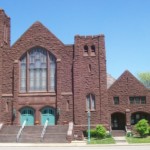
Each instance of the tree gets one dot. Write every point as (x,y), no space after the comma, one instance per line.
(144,77)
(142,127)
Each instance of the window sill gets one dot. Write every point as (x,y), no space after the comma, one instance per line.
(91,110)
(37,94)
(92,55)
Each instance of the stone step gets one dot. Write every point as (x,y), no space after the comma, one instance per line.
(32,134)
(118,133)
(54,129)
(8,134)
(9,129)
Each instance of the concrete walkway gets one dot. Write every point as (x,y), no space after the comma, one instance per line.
(120,140)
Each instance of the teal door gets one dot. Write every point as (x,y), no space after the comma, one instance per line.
(48,114)
(28,115)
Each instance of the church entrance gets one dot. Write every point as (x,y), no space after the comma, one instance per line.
(28,115)
(118,121)
(48,113)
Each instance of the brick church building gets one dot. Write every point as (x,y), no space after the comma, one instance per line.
(43,79)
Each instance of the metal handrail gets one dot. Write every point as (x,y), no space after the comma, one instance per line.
(19,133)
(110,129)
(44,129)
(126,129)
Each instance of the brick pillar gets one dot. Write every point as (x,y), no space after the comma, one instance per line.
(37,117)
(15,90)
(128,118)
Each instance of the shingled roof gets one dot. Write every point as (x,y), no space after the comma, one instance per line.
(110,80)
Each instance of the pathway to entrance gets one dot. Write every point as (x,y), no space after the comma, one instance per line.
(120,140)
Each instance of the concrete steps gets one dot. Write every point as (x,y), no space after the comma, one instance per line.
(31,134)
(118,133)
(8,134)
(56,134)
(119,136)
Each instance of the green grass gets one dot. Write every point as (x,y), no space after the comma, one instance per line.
(109,140)
(133,140)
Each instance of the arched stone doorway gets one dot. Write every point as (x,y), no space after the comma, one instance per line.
(27,114)
(48,113)
(118,121)
(137,116)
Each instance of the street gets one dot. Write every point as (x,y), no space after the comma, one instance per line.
(116,147)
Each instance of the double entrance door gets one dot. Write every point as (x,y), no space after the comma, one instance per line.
(28,114)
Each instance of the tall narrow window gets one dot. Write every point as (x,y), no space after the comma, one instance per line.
(52,73)
(90,102)
(92,50)
(85,52)
(38,70)
(23,75)
(116,100)
(35,74)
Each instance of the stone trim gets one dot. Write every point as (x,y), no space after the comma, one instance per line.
(16,61)
(58,60)
(36,94)
(66,93)
(7,95)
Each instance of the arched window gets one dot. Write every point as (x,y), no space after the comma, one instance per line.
(90,102)
(93,50)
(37,71)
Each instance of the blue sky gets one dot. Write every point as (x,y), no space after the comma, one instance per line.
(125,24)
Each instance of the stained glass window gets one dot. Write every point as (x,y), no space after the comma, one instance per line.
(36,66)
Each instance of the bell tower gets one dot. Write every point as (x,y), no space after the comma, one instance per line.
(4,29)
(90,85)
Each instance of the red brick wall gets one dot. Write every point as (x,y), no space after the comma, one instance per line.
(127,85)
(36,35)
(93,81)
(5,100)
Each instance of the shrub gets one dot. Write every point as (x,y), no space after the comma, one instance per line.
(129,134)
(142,127)
(93,133)
(100,131)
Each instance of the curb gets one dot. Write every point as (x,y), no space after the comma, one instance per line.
(66,145)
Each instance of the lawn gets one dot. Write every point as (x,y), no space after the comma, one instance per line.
(133,140)
(109,140)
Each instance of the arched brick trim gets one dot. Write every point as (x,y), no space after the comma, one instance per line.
(26,106)
(42,107)
(122,112)
(140,111)
(33,47)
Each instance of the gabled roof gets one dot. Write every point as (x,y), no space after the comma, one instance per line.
(129,78)
(38,31)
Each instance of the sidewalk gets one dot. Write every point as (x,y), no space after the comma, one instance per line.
(73,144)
